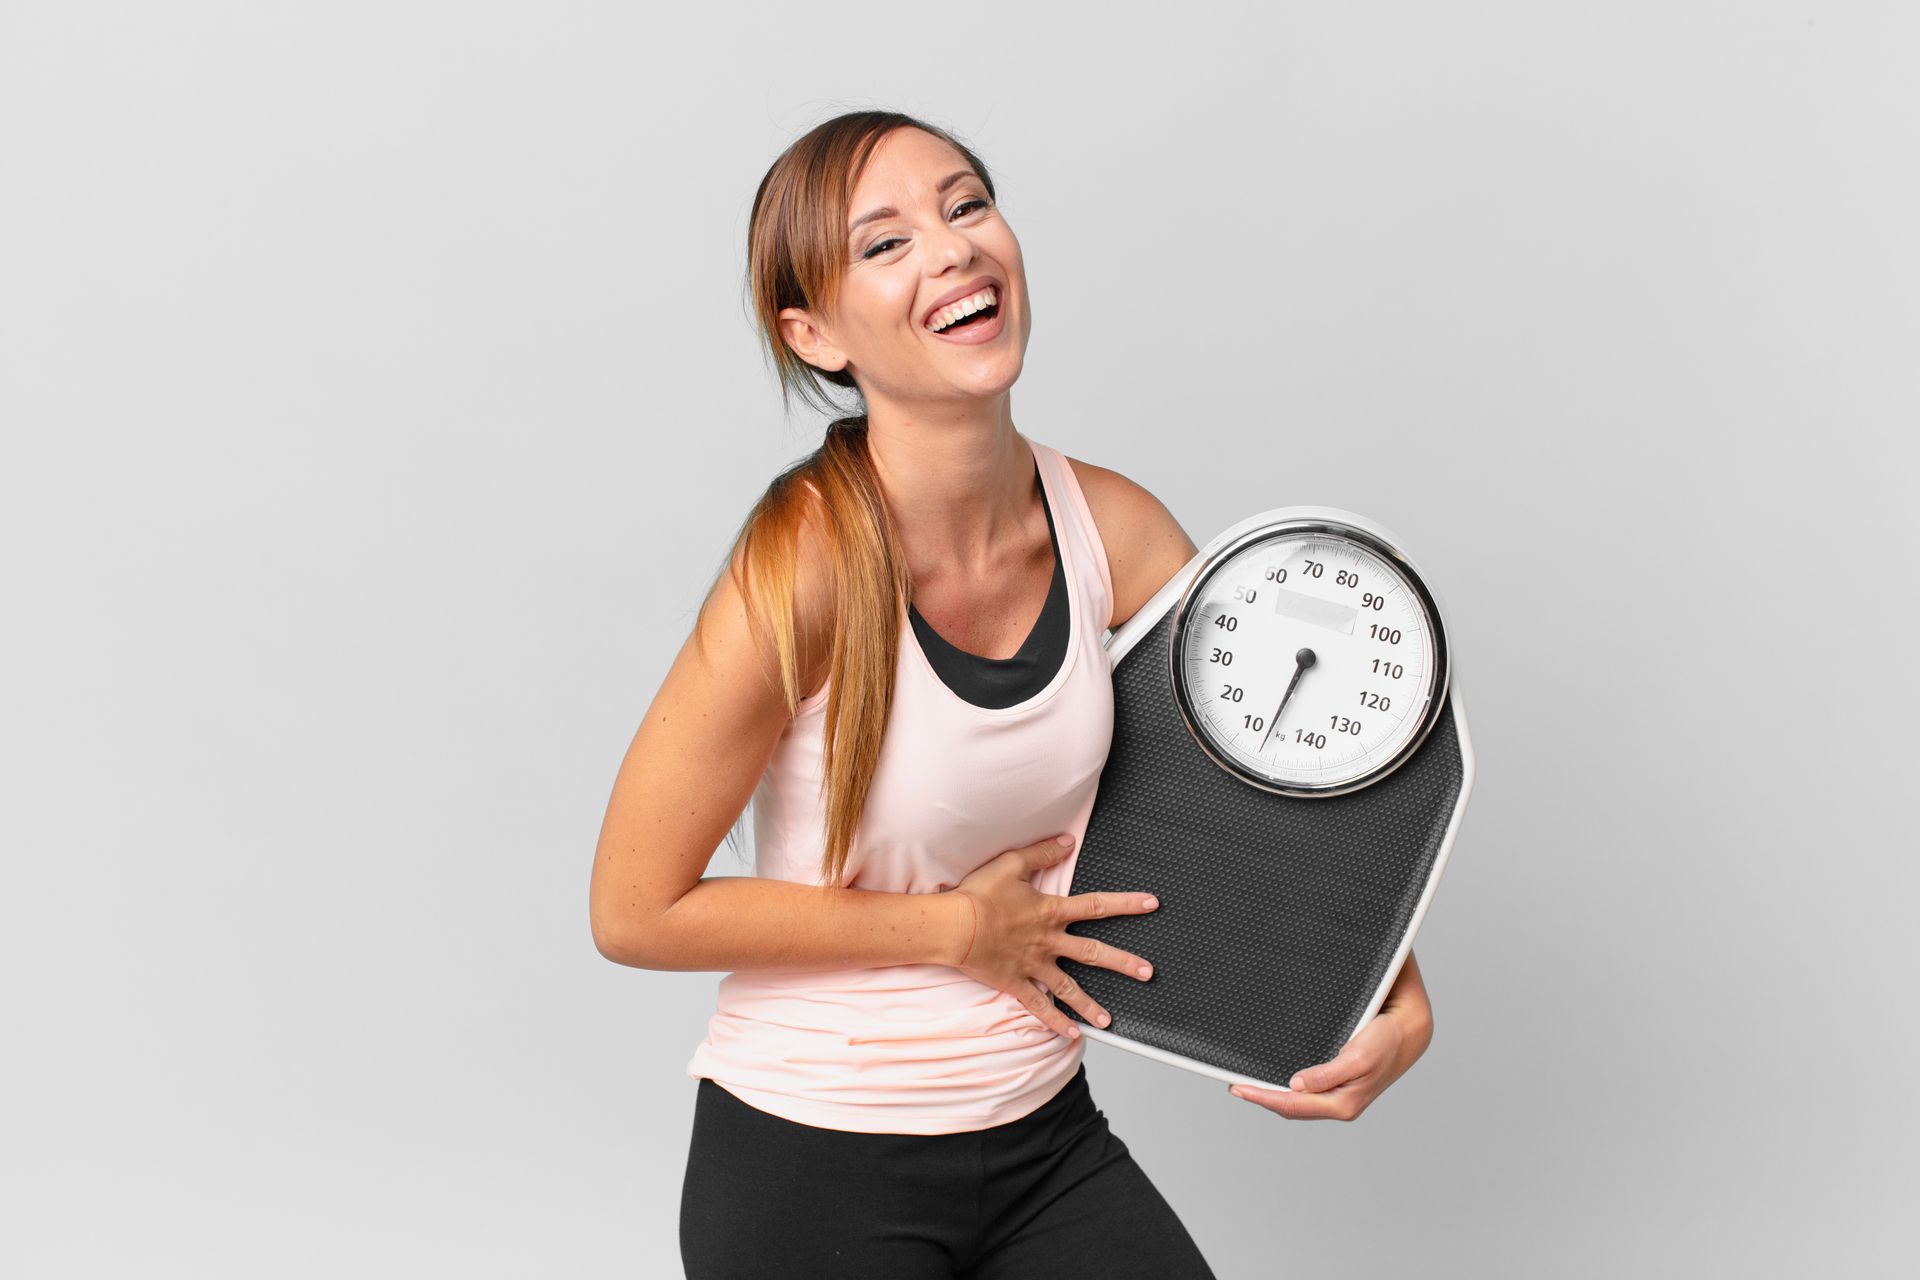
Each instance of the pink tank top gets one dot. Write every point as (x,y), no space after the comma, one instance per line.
(922,1048)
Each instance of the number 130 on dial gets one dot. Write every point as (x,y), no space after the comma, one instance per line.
(1309,657)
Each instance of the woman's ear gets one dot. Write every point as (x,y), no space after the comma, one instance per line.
(810,341)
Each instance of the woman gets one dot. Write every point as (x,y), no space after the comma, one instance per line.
(907,646)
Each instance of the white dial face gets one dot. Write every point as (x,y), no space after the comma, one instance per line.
(1308,660)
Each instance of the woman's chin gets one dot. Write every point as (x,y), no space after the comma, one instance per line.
(989,388)
(983,379)
(991,375)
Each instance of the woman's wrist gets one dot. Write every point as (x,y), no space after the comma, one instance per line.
(961,920)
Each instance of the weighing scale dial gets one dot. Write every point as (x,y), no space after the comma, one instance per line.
(1309,658)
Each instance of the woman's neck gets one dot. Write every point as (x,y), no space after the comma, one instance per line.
(960,489)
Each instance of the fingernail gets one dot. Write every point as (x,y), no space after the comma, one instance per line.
(1064,839)
(1073,1033)
(1152,903)
(1235,1091)
(1105,1018)
(1298,1082)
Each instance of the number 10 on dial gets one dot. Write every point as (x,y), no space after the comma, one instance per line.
(1309,657)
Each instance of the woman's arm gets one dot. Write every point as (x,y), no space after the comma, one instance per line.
(688,774)
(1380,1053)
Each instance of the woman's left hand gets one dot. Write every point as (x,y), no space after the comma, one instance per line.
(1378,1054)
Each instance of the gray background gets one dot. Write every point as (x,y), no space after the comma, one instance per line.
(379,399)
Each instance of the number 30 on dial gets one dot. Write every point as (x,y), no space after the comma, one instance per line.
(1309,658)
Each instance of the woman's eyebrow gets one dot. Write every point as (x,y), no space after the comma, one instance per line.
(888,211)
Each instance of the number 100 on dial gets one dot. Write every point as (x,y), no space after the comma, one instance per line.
(1309,657)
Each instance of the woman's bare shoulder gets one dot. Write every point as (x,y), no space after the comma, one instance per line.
(1145,545)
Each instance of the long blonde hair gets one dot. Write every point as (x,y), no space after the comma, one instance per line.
(796,253)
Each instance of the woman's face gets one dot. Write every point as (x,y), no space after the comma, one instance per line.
(944,239)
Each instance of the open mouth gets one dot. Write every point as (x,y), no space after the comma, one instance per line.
(975,311)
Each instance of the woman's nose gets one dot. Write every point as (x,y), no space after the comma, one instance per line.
(949,246)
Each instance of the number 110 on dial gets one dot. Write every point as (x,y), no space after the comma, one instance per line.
(1309,658)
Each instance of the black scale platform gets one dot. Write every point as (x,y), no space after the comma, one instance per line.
(1279,917)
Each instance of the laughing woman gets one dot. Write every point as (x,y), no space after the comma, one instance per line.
(902,668)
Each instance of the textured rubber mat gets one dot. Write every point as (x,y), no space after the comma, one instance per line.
(1278,916)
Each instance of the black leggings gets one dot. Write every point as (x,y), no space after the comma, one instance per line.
(1054,1195)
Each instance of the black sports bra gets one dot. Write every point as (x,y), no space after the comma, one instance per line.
(1002,682)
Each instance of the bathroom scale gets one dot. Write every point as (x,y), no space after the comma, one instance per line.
(1289,767)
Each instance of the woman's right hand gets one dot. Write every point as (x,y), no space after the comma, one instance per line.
(1018,931)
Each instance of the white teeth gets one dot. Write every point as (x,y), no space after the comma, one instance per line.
(965,307)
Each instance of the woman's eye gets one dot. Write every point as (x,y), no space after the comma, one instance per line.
(880,246)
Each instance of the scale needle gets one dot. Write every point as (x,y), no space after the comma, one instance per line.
(1301,661)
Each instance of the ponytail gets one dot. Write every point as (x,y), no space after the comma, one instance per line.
(837,487)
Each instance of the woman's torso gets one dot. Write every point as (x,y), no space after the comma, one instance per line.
(923,1048)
